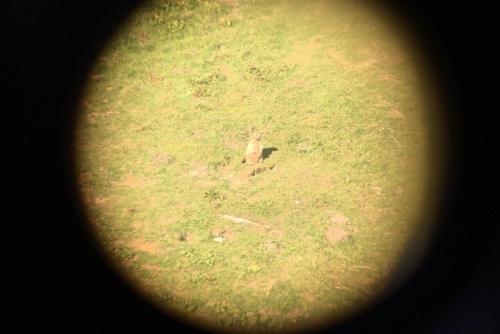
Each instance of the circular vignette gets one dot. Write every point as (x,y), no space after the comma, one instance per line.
(438,160)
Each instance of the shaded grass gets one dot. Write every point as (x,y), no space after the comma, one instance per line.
(163,128)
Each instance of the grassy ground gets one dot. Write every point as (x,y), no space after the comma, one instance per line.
(163,128)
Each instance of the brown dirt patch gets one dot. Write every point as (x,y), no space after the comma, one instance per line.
(199,170)
(145,246)
(101,200)
(336,234)
(134,181)
(162,159)
(339,219)
(152,268)
(227,72)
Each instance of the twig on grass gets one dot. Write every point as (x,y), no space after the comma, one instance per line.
(241,220)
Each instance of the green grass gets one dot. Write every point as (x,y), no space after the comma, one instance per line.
(162,130)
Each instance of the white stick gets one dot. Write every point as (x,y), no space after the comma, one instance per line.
(239,220)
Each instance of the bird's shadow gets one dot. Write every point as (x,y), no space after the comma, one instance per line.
(266,152)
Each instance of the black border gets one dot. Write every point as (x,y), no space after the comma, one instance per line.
(54,280)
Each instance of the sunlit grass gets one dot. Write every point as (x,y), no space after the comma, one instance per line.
(163,128)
